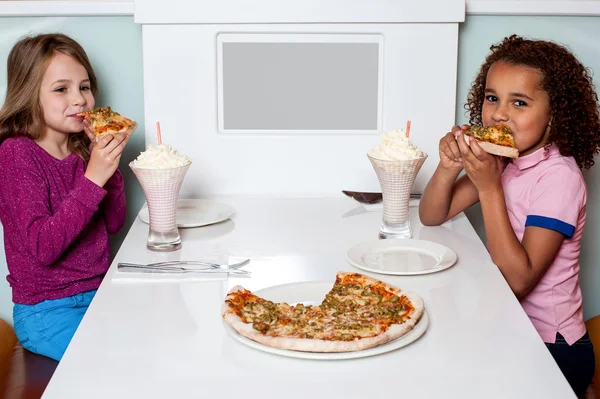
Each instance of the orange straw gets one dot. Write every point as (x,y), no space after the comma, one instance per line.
(408,129)
(158,133)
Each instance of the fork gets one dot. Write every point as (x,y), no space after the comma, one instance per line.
(174,263)
(175,269)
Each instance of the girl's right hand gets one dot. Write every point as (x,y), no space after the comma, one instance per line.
(450,156)
(105,157)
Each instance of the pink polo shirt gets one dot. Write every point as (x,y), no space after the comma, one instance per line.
(546,189)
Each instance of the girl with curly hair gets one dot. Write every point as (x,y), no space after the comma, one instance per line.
(534,207)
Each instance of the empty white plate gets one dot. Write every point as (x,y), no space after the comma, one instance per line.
(196,212)
(401,256)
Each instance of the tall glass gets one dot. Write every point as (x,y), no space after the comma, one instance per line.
(161,188)
(396,179)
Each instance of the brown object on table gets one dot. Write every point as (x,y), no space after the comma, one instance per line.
(23,375)
(365,198)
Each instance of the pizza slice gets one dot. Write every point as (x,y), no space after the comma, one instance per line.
(358,313)
(105,121)
(497,140)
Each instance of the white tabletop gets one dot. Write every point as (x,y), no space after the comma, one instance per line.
(167,340)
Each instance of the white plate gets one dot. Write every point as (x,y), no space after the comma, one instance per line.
(313,292)
(196,212)
(401,256)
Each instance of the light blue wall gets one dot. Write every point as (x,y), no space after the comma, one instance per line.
(119,71)
(582,36)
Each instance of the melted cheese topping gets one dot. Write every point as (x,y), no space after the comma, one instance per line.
(500,134)
(353,309)
(105,120)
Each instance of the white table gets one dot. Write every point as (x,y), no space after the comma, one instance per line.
(168,341)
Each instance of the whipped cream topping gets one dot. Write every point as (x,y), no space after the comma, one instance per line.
(161,156)
(395,146)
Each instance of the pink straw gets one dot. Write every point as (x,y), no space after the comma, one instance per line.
(408,129)
(158,133)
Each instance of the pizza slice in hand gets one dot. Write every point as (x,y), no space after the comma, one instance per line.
(105,121)
(497,140)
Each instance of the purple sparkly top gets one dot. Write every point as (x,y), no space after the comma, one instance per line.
(56,222)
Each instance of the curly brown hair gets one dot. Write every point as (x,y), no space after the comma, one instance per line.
(574,107)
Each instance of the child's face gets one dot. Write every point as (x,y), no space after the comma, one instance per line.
(65,91)
(514,97)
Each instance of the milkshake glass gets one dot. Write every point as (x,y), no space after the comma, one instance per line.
(161,178)
(396,162)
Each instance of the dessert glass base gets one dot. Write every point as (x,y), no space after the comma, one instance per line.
(163,242)
(395,230)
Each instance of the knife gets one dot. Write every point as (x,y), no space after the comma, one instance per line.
(130,267)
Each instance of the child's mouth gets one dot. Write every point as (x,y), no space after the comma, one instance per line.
(77,117)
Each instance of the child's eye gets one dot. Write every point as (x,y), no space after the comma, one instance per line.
(60,89)
(84,88)
(520,103)
(491,98)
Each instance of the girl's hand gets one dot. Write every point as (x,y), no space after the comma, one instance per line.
(87,128)
(484,170)
(104,158)
(450,155)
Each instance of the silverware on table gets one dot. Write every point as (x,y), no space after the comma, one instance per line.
(184,266)
(364,198)
(370,198)
(183,263)
(125,267)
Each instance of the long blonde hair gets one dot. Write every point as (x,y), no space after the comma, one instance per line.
(21,114)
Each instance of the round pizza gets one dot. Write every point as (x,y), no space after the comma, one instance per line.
(358,313)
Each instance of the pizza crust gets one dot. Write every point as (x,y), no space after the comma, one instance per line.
(317,345)
(496,149)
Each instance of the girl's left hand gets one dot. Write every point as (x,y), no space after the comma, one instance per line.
(484,170)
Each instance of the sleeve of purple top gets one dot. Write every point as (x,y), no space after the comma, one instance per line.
(113,206)
(44,233)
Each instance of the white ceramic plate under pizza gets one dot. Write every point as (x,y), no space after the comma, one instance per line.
(312,293)
(401,256)
(195,212)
